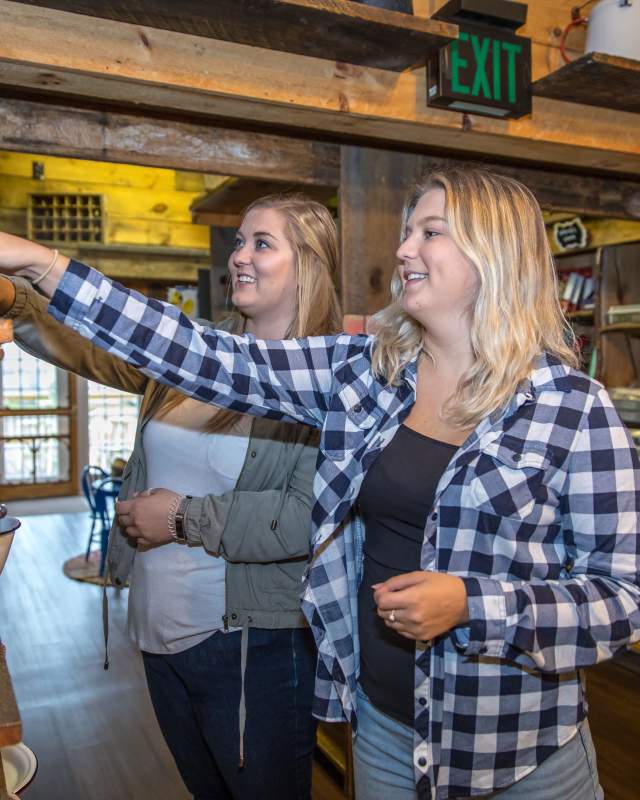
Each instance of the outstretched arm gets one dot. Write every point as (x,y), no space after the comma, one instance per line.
(278,379)
(36,332)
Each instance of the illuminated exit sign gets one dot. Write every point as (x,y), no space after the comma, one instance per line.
(487,70)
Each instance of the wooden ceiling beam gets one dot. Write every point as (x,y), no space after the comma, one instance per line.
(100,136)
(58,53)
(276,162)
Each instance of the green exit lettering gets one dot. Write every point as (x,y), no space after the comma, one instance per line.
(484,59)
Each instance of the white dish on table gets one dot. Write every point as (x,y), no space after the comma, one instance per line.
(20,764)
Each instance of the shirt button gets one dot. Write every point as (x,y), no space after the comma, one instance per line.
(434,516)
(253,454)
(517,457)
(423,701)
(422,761)
(483,650)
(357,408)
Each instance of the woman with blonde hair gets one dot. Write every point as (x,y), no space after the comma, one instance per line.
(497,486)
(219,507)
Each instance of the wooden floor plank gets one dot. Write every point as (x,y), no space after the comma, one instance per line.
(94,732)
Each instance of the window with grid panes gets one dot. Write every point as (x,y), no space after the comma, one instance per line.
(66,218)
(113,417)
(35,437)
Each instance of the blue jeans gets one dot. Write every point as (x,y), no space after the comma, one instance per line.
(196,697)
(383,764)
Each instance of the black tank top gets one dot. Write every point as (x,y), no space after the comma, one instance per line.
(396,496)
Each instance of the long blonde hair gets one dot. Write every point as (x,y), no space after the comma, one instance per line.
(497,224)
(313,237)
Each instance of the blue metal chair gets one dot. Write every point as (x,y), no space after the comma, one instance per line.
(90,475)
(103,490)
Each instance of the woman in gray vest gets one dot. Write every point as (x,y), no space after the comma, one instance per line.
(215,606)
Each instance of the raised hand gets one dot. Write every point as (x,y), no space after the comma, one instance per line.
(422,605)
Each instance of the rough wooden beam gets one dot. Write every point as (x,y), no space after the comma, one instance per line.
(373,188)
(59,53)
(577,194)
(58,130)
(123,138)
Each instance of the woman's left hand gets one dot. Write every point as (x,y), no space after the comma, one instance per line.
(145,516)
(422,605)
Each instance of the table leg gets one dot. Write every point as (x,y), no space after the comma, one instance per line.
(4,794)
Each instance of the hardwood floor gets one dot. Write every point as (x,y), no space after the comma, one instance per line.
(93,732)
(613,690)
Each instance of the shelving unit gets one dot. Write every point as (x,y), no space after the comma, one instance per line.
(630,328)
(332,29)
(585,316)
(595,79)
(618,344)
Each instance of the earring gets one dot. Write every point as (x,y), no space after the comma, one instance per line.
(227,294)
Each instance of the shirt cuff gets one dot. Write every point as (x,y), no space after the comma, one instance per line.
(201,526)
(75,294)
(486,630)
(20,300)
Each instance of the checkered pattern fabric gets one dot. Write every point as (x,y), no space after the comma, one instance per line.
(537,512)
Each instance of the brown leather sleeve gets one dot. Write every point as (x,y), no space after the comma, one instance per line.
(38,333)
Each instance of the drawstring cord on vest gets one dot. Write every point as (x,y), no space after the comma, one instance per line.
(105,618)
(242,714)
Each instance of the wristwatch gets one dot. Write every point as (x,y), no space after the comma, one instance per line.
(180,534)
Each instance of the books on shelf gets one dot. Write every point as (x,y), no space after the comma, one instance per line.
(576,290)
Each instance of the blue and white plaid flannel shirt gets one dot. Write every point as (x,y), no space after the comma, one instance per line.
(537,512)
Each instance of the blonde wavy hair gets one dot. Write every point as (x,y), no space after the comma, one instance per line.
(497,224)
(312,235)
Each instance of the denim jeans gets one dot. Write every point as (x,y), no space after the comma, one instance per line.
(196,697)
(383,764)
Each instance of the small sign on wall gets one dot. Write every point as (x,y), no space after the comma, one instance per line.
(570,234)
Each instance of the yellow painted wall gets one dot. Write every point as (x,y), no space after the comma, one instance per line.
(144,206)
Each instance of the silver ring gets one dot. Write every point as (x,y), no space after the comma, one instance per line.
(392,616)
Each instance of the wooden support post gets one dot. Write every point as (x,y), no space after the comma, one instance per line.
(373,187)
(222,240)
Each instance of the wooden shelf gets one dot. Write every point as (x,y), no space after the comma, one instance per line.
(332,748)
(631,328)
(224,205)
(580,316)
(332,29)
(595,79)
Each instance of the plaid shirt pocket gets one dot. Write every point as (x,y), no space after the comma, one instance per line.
(351,419)
(509,480)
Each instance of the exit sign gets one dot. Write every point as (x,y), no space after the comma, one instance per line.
(487,70)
